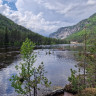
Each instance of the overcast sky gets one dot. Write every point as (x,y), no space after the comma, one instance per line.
(46,16)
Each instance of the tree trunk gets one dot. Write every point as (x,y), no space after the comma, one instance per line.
(29,78)
(85,59)
(35,87)
(35,91)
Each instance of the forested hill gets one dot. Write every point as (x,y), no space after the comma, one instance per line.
(13,34)
(77,32)
(89,29)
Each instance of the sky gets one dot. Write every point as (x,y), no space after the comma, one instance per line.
(46,16)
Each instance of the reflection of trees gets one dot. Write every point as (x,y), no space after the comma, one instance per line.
(63,48)
(70,47)
(6,58)
(60,56)
(64,54)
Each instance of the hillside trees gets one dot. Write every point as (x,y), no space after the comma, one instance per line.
(16,37)
(6,39)
(17,34)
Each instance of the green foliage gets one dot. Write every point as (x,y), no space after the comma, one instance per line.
(13,34)
(29,76)
(91,66)
(26,49)
(90,25)
(87,61)
(87,57)
(74,81)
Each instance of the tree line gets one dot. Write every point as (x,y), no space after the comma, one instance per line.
(16,37)
(12,34)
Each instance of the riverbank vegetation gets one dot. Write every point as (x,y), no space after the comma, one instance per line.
(85,79)
(87,92)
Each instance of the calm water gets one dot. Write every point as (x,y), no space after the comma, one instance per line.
(57,64)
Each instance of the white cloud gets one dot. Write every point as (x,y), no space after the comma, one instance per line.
(29,20)
(39,1)
(91,2)
(0,1)
(34,22)
(46,16)
(5,10)
(57,6)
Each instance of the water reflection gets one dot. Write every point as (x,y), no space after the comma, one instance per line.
(63,47)
(58,64)
(5,74)
(6,58)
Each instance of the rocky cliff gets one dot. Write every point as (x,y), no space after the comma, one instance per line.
(64,32)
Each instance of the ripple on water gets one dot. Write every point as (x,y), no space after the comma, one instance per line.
(57,64)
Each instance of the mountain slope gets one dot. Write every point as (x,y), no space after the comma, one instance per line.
(64,32)
(89,30)
(13,34)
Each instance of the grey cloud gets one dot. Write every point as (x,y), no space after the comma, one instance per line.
(46,16)
(0,1)
(91,2)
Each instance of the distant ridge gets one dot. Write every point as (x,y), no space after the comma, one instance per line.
(72,32)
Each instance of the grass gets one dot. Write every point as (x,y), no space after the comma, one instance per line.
(87,92)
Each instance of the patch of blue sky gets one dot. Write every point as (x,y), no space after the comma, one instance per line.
(10,3)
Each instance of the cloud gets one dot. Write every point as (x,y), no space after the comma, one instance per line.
(10,0)
(30,20)
(34,22)
(55,6)
(46,16)
(58,7)
(5,10)
(39,1)
(0,1)
(91,2)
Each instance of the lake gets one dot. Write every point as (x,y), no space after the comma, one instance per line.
(57,64)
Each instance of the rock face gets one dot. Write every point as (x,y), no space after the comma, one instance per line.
(56,93)
(64,32)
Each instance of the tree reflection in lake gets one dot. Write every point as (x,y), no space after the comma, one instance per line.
(7,57)
(57,64)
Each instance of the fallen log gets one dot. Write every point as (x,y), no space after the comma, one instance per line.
(56,92)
